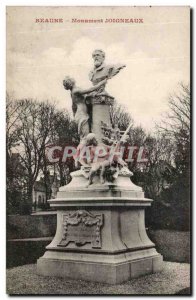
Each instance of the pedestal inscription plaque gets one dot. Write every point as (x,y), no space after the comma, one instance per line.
(82,227)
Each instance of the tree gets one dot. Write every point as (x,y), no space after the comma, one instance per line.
(176,123)
(64,134)
(31,127)
(33,131)
(15,173)
(151,175)
(120,116)
(176,127)
(12,123)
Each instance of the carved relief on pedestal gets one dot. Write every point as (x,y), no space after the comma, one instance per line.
(82,227)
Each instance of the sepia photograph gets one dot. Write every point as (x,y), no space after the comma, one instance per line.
(98,150)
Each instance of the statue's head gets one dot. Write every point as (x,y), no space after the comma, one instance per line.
(98,56)
(68,83)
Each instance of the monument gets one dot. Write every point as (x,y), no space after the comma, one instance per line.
(100,233)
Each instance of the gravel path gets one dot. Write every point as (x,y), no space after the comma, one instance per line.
(24,280)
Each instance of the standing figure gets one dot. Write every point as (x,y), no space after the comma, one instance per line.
(79,106)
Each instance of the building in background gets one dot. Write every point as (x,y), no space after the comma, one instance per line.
(45,190)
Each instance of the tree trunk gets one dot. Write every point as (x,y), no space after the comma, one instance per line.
(27,205)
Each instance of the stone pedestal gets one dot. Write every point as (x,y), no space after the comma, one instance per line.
(100,113)
(100,234)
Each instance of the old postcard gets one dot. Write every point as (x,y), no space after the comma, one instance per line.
(98,150)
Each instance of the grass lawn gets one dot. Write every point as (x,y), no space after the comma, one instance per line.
(24,280)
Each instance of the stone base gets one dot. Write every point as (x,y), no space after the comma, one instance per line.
(115,252)
(101,233)
(110,269)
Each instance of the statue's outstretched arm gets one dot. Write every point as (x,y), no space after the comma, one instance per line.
(115,70)
(93,88)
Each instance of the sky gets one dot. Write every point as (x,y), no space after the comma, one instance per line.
(156,54)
